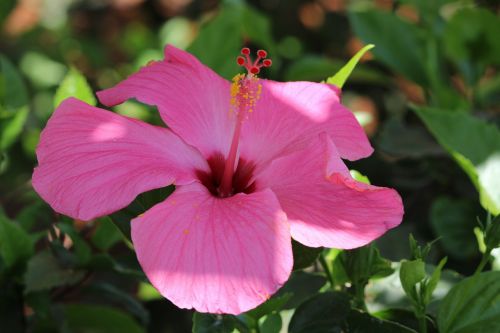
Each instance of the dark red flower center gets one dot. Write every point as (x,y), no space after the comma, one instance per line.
(242,181)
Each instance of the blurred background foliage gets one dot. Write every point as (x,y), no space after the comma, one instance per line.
(427,95)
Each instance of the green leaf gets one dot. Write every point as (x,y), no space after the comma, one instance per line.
(358,321)
(473,305)
(359,176)
(343,74)
(75,85)
(111,293)
(471,41)
(209,323)
(401,316)
(492,237)
(321,313)
(453,220)
(433,281)
(411,273)
(86,318)
(239,24)
(301,286)
(273,304)
(13,103)
(13,92)
(365,263)
(477,151)
(16,246)
(106,235)
(271,324)
(146,292)
(44,272)
(399,43)
(11,127)
(304,256)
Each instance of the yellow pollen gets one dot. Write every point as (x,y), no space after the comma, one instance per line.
(245,92)
(186,231)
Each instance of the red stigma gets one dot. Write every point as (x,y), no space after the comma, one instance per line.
(267,62)
(245,51)
(254,70)
(254,67)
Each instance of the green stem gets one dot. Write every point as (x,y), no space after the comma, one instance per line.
(329,275)
(422,323)
(484,261)
(359,290)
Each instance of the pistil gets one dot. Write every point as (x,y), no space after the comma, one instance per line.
(245,91)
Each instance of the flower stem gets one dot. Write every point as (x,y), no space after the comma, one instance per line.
(484,261)
(422,323)
(325,267)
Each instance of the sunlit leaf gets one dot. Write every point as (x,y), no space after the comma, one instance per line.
(474,144)
(343,74)
(473,305)
(74,85)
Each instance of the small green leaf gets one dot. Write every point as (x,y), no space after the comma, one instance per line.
(473,305)
(11,127)
(433,281)
(75,85)
(147,292)
(492,237)
(16,246)
(44,272)
(271,324)
(273,304)
(99,319)
(411,273)
(343,74)
(359,176)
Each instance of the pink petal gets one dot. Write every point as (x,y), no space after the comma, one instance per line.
(289,115)
(214,255)
(93,162)
(324,205)
(192,100)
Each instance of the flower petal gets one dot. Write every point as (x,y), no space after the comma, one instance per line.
(211,254)
(324,205)
(288,115)
(93,162)
(192,99)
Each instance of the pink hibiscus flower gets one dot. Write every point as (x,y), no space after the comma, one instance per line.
(255,162)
